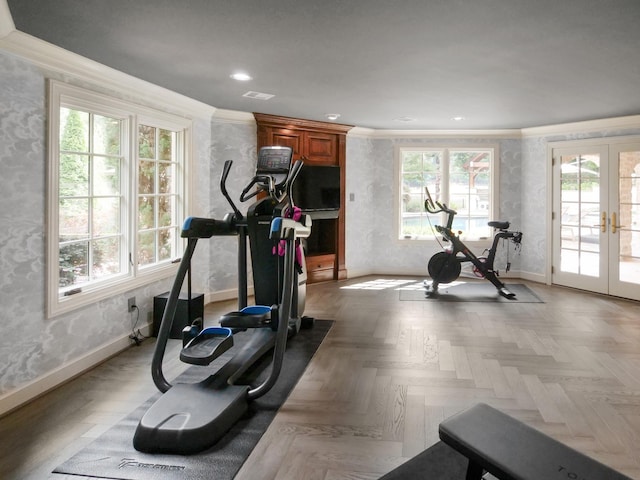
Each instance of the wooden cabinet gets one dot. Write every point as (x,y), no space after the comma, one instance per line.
(321,268)
(320,143)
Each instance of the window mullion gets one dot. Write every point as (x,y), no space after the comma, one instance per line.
(132,202)
(90,200)
(156,200)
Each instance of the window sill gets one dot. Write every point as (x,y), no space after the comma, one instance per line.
(60,305)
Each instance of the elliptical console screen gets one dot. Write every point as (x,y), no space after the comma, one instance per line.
(274,159)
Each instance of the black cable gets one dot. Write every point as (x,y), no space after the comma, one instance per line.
(137,337)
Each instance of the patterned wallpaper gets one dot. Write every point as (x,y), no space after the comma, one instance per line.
(372,246)
(32,346)
(236,142)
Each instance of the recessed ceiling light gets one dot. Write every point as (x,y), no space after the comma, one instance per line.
(458,118)
(332,116)
(240,76)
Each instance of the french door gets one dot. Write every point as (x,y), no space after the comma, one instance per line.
(596,217)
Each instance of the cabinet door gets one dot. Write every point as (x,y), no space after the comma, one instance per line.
(285,137)
(321,148)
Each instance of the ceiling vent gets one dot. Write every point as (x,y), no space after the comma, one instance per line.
(258,95)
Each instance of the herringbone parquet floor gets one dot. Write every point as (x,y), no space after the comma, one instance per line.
(388,373)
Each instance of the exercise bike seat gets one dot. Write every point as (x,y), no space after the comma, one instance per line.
(257,316)
(208,345)
(499,225)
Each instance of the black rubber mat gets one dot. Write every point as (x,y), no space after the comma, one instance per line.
(112,455)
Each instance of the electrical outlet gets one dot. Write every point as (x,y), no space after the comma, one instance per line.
(131,303)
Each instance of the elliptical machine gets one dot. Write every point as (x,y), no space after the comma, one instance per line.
(445,266)
(189,418)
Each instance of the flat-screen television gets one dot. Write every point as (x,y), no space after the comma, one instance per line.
(317,190)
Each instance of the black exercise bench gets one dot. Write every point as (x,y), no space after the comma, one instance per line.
(510,450)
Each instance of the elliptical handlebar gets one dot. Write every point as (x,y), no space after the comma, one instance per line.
(268,183)
(264,182)
(223,188)
(291,178)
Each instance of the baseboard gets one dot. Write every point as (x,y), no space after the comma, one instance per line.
(534,277)
(512,275)
(356,273)
(32,390)
(35,388)
(222,295)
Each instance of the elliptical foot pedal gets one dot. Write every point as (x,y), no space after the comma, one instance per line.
(257,316)
(208,345)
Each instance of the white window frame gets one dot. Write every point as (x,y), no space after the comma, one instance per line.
(132,115)
(493,209)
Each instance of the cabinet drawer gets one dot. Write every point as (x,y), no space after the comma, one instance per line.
(321,262)
(320,276)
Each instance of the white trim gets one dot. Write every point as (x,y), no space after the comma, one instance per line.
(421,272)
(31,390)
(366,132)
(61,93)
(41,385)
(355,273)
(533,277)
(222,295)
(233,116)
(598,125)
(6,20)
(580,142)
(616,123)
(53,58)
(443,146)
(361,132)
(549,215)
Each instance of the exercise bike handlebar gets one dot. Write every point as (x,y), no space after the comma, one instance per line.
(430,205)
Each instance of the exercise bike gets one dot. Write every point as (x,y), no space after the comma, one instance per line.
(445,266)
(190,417)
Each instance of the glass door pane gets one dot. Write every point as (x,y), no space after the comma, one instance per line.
(579,242)
(625,222)
(580,220)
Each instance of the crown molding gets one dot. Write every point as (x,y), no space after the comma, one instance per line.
(51,58)
(234,116)
(600,125)
(373,133)
(361,132)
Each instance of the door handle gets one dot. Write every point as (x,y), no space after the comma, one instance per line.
(614,227)
(603,222)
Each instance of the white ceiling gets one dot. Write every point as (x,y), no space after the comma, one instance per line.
(499,63)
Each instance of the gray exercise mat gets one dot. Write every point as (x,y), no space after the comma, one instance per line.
(469,291)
